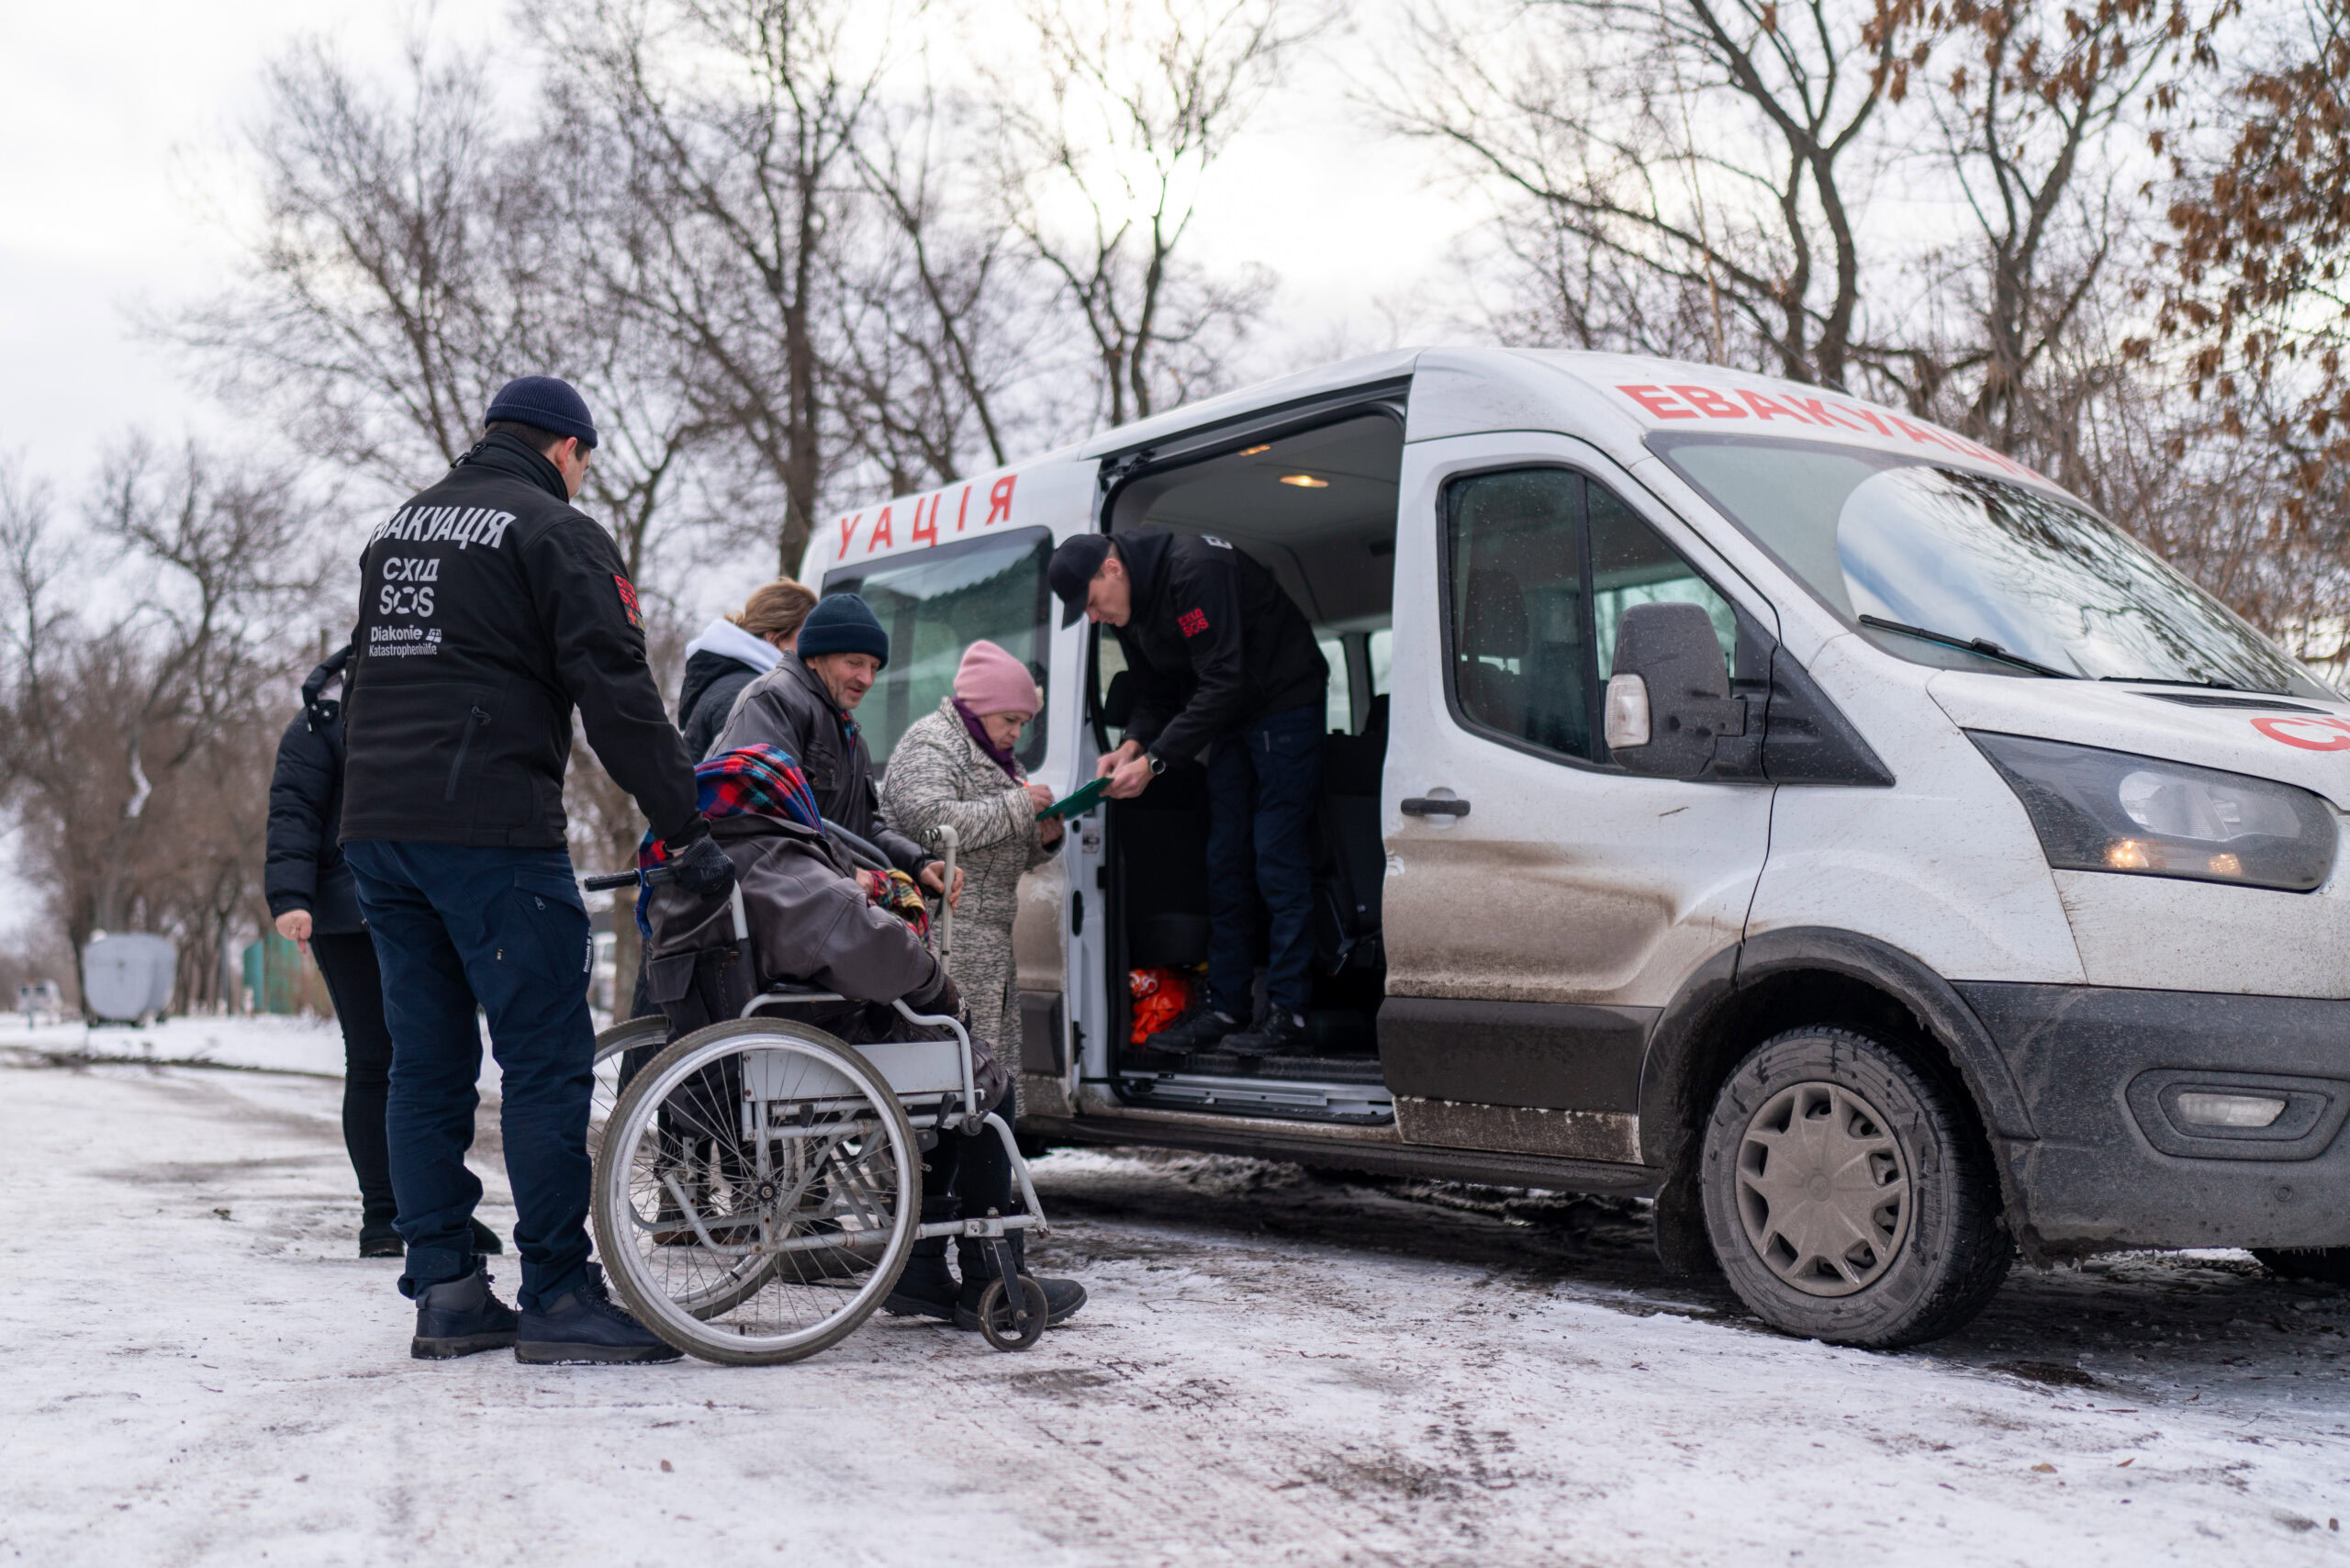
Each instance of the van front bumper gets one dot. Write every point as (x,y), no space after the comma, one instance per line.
(2174,1118)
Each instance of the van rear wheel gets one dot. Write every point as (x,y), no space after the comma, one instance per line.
(1846,1197)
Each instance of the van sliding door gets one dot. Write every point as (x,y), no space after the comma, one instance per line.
(1542,905)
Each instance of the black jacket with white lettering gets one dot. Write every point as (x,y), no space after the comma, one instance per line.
(1213,641)
(488,607)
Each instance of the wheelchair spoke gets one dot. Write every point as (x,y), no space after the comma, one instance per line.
(741,1219)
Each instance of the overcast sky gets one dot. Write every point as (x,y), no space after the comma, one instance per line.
(116,140)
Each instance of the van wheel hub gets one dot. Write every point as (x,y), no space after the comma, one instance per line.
(1823,1189)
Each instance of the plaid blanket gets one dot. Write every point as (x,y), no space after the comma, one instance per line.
(762,780)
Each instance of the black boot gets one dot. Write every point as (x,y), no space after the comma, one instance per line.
(460,1317)
(1062,1297)
(378,1240)
(928,1288)
(1280,1033)
(1200,1032)
(484,1240)
(585,1325)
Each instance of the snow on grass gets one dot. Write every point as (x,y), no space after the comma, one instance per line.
(283,1044)
(1275,1367)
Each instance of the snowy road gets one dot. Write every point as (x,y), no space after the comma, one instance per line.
(1274,1369)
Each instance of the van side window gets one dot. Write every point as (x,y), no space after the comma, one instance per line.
(1630,565)
(937,602)
(1543,564)
(1516,606)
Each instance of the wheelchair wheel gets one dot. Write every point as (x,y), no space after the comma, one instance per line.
(612,1047)
(756,1192)
(1010,1326)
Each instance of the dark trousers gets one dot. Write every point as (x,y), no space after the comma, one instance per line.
(356,985)
(1263,781)
(506,929)
(971,1174)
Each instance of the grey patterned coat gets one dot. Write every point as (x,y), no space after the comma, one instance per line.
(939,774)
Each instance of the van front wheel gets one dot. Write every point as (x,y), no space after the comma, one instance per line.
(1846,1197)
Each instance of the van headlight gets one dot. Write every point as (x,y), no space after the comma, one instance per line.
(2109,811)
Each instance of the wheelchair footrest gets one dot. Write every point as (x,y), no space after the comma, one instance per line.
(981,1229)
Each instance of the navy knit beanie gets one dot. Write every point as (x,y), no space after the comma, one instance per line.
(543,402)
(842,623)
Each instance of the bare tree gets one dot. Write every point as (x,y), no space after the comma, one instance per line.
(412,256)
(140,694)
(2016,335)
(2260,224)
(1101,175)
(1681,150)
(733,181)
(940,326)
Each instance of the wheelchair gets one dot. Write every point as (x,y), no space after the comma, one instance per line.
(757,1182)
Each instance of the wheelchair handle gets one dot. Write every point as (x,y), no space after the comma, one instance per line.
(654,875)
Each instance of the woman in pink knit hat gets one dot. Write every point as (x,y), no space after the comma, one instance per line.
(959,765)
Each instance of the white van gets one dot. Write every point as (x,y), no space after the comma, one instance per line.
(1735,793)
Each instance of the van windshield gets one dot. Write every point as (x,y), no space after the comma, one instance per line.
(2006,577)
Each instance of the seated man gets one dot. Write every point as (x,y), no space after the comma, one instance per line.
(814,922)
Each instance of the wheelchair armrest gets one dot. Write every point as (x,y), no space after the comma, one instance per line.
(790,995)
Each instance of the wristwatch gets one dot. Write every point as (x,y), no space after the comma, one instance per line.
(1158,763)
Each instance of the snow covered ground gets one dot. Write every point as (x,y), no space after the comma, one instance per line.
(195,1368)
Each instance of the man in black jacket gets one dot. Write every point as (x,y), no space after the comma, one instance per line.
(806,705)
(1219,657)
(489,606)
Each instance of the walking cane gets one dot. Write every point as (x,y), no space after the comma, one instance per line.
(944,836)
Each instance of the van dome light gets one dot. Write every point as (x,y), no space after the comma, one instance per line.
(1252,451)
(2129,855)
(2225,865)
(2202,1108)
(1305,481)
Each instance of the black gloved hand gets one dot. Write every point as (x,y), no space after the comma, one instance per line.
(700,866)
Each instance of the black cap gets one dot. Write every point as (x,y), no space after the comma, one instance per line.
(1072,570)
(546,403)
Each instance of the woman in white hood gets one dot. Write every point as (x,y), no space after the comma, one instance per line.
(733,651)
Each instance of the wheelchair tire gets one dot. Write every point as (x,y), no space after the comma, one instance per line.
(650,1034)
(1000,1326)
(821,1199)
(611,1046)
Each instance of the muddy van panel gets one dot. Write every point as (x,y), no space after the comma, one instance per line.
(1526,872)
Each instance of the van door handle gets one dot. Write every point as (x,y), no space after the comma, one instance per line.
(1421,806)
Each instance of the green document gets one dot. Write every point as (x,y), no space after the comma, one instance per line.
(1077,804)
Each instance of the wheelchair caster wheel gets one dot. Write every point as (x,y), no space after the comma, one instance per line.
(1007,1327)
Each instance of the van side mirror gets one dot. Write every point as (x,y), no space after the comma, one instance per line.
(1118,702)
(1668,696)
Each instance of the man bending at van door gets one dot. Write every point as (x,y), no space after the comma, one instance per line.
(1222,662)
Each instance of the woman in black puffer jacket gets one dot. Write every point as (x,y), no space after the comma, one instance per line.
(315,902)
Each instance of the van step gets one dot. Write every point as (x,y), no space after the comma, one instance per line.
(1197,1090)
(1307,1069)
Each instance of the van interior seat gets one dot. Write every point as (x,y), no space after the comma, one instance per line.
(1351,862)
(1493,651)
